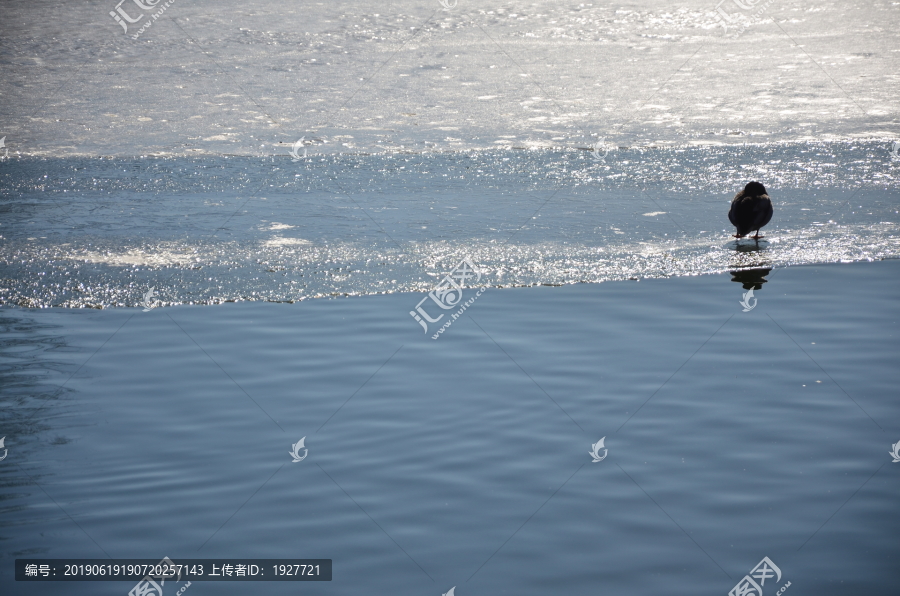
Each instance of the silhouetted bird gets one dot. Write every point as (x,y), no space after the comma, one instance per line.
(751,209)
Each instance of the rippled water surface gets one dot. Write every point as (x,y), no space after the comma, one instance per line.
(731,436)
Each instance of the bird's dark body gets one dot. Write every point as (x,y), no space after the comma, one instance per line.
(751,209)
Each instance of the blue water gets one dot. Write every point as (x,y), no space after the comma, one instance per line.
(463,461)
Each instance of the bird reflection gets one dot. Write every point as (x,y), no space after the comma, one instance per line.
(752,279)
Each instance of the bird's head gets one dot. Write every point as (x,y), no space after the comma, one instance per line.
(755,189)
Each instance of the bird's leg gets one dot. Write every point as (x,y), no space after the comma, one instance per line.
(738,236)
(757,236)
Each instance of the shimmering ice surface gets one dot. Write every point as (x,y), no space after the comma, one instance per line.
(228,77)
(100,232)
